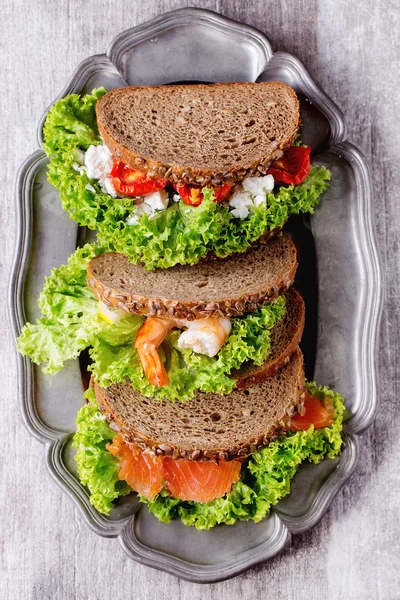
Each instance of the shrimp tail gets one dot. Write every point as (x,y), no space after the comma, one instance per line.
(149,338)
(152,365)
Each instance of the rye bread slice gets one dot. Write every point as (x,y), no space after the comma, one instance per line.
(232,287)
(285,338)
(199,134)
(209,426)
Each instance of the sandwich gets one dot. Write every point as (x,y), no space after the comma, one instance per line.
(212,327)
(213,459)
(174,174)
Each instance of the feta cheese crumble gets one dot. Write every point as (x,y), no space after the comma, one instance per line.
(241,203)
(252,192)
(98,164)
(98,161)
(148,205)
(107,187)
(157,200)
(256,186)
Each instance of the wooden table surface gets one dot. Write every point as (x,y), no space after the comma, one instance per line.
(352,49)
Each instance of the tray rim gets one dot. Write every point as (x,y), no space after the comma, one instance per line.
(52,438)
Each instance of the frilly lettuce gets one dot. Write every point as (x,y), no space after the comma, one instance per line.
(69,321)
(97,468)
(264,480)
(70,324)
(179,234)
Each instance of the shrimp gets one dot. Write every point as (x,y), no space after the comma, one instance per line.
(204,336)
(150,336)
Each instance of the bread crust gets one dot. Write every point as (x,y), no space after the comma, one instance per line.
(294,406)
(172,308)
(192,175)
(247,377)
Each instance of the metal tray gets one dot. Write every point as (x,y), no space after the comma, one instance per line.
(339,276)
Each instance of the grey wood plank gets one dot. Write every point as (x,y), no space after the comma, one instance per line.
(46,551)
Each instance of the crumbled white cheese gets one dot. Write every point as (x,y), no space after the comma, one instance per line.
(80,168)
(257,186)
(148,205)
(90,188)
(176,197)
(252,192)
(240,202)
(144,209)
(133,219)
(80,156)
(107,187)
(98,162)
(157,200)
(260,199)
(203,339)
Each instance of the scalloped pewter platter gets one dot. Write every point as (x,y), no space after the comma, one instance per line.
(337,256)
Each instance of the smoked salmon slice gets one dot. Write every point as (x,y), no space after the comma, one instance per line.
(148,474)
(200,481)
(143,471)
(318,412)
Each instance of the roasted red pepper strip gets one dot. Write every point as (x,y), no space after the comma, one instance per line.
(190,194)
(317,411)
(129,182)
(193,196)
(293,167)
(222,192)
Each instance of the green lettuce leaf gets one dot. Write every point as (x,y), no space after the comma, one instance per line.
(97,468)
(180,234)
(70,324)
(264,480)
(69,321)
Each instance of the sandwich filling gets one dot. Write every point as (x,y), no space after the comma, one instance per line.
(151,221)
(203,336)
(151,195)
(163,358)
(205,493)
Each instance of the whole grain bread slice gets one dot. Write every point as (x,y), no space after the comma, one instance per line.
(285,338)
(201,133)
(232,287)
(209,426)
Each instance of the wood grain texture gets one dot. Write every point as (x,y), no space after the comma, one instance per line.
(351,48)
